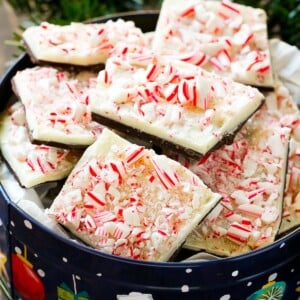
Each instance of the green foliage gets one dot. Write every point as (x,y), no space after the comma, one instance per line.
(64,11)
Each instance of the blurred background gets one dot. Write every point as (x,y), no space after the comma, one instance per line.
(8,23)
(15,15)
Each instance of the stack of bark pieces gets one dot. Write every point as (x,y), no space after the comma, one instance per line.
(201,90)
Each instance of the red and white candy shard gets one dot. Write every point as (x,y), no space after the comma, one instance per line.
(172,100)
(128,201)
(78,43)
(57,105)
(31,164)
(250,174)
(220,36)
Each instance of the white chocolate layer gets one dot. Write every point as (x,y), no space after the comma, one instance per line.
(78,43)
(32,164)
(128,201)
(220,36)
(57,105)
(173,100)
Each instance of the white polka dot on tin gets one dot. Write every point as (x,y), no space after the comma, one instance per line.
(18,250)
(185,289)
(99,274)
(64,259)
(188,270)
(27,224)
(282,245)
(249,283)
(225,297)
(292,270)
(235,273)
(41,272)
(272,277)
(12,223)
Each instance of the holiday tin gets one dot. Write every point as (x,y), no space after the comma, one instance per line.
(37,263)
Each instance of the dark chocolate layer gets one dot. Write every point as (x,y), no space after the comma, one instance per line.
(158,142)
(66,66)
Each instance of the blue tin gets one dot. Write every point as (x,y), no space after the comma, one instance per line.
(39,264)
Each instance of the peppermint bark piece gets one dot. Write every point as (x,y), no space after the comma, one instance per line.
(250,174)
(79,44)
(281,104)
(291,208)
(31,164)
(128,201)
(57,106)
(220,36)
(171,103)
